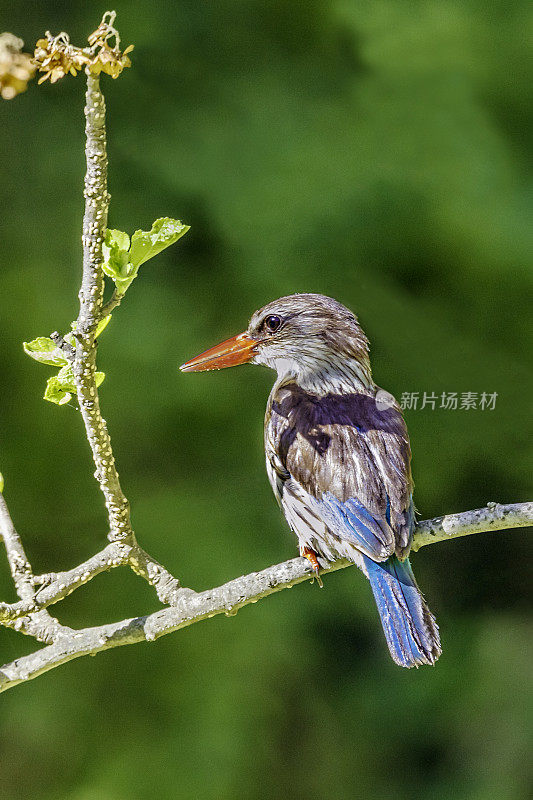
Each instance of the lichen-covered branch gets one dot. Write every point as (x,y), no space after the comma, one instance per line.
(84,363)
(19,565)
(91,298)
(493,517)
(55,586)
(28,614)
(40,625)
(167,587)
(190,607)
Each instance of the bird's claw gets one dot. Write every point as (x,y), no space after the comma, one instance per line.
(311,556)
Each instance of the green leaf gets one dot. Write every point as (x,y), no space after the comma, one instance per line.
(55,392)
(43,349)
(1,483)
(124,283)
(115,252)
(122,259)
(58,391)
(61,387)
(147,244)
(102,325)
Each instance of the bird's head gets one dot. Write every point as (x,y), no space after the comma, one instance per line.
(308,337)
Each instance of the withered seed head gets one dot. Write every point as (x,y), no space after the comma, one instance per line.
(55,56)
(16,67)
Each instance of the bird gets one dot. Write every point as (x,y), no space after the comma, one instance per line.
(338,455)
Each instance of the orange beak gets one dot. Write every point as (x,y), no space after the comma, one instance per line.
(237,350)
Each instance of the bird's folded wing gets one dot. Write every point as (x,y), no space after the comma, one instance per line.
(348,461)
(351,521)
(333,528)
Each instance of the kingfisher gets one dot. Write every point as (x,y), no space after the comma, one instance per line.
(337,455)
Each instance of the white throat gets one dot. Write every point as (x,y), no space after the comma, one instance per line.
(317,374)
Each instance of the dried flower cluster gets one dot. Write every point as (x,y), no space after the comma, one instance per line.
(16,67)
(56,57)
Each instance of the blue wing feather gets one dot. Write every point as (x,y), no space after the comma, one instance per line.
(352,521)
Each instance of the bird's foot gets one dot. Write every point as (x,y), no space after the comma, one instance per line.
(311,556)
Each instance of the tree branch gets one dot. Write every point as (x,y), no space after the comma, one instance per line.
(91,313)
(91,298)
(112,303)
(493,517)
(55,586)
(40,625)
(18,561)
(191,607)
(64,346)
(28,615)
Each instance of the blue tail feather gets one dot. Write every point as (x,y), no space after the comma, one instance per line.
(410,629)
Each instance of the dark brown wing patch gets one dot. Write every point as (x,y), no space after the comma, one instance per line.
(345,445)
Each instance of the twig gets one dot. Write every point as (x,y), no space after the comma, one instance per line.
(229,598)
(55,586)
(112,303)
(167,587)
(40,625)
(64,346)
(28,615)
(18,561)
(91,296)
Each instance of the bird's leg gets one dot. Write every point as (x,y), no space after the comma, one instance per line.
(311,556)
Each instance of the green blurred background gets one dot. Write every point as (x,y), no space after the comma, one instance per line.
(379,152)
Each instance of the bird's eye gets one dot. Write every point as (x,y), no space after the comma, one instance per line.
(272,323)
